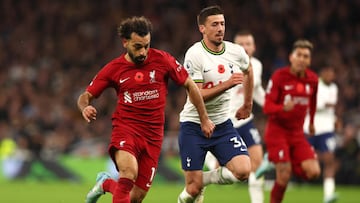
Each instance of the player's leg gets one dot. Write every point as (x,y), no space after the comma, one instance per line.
(252,139)
(279,154)
(326,147)
(193,186)
(192,154)
(304,160)
(231,152)
(147,165)
(256,185)
(128,171)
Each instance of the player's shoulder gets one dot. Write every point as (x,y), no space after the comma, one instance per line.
(158,53)
(194,48)
(311,75)
(115,62)
(232,46)
(255,62)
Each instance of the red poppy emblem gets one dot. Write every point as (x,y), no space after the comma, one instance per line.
(139,76)
(300,87)
(221,68)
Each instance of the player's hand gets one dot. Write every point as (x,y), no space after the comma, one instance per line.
(311,130)
(207,128)
(289,105)
(243,112)
(89,113)
(235,79)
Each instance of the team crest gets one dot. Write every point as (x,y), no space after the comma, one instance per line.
(152,76)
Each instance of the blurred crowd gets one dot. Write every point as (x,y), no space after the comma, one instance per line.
(51,49)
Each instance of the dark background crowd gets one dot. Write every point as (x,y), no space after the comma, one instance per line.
(50,50)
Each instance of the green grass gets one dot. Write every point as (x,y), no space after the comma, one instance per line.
(51,190)
(65,192)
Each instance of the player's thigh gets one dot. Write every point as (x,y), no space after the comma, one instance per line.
(256,156)
(126,164)
(148,164)
(277,145)
(229,145)
(191,146)
(250,134)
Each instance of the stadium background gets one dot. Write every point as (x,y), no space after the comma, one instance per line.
(51,49)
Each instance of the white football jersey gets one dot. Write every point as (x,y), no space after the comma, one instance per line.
(237,95)
(212,68)
(325,117)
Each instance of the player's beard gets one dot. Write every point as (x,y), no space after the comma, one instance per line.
(137,59)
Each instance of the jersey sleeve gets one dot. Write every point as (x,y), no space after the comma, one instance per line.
(259,92)
(244,59)
(312,107)
(99,83)
(192,64)
(177,72)
(272,94)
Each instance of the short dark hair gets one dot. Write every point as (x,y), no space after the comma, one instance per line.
(303,43)
(208,11)
(140,25)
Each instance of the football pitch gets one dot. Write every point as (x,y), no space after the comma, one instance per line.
(65,192)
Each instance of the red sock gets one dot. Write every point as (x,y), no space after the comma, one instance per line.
(122,191)
(277,193)
(109,185)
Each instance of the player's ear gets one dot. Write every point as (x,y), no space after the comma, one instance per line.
(202,29)
(125,42)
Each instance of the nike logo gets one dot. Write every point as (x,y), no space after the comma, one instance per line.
(243,149)
(123,80)
(205,71)
(148,185)
(122,143)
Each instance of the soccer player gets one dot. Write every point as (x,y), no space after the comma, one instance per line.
(139,77)
(290,93)
(325,122)
(216,66)
(246,127)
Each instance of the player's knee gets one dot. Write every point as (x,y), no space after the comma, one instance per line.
(193,189)
(313,173)
(242,173)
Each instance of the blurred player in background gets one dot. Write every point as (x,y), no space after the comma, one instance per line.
(140,78)
(216,66)
(325,125)
(246,127)
(290,94)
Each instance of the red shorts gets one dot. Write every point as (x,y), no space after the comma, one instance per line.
(285,145)
(146,152)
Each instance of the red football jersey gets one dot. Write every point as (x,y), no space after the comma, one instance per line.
(284,86)
(141,89)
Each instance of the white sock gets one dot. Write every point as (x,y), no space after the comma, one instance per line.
(221,176)
(329,187)
(185,197)
(256,188)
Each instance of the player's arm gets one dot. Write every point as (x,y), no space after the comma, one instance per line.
(207,125)
(210,93)
(312,110)
(88,111)
(271,105)
(245,110)
(259,92)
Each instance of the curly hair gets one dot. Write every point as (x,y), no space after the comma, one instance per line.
(139,25)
